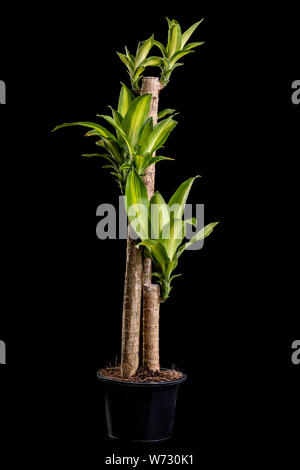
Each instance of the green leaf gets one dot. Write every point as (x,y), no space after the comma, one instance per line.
(113,172)
(158,253)
(138,72)
(172,235)
(203,233)
(102,155)
(161,47)
(174,276)
(125,166)
(186,36)
(126,61)
(145,131)
(118,118)
(159,214)
(141,162)
(156,159)
(191,221)
(130,56)
(109,166)
(177,56)
(165,112)
(178,64)
(174,40)
(192,45)
(166,64)
(151,62)
(159,135)
(111,121)
(99,130)
(143,50)
(137,204)
(158,275)
(91,133)
(178,200)
(120,130)
(169,22)
(100,143)
(125,100)
(114,149)
(136,115)
(170,268)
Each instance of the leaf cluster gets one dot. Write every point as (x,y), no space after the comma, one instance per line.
(161,227)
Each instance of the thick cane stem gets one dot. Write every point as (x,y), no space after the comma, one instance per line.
(131,309)
(151,303)
(152,86)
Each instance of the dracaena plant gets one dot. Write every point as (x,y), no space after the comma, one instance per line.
(134,138)
(176,48)
(161,227)
(137,64)
(128,141)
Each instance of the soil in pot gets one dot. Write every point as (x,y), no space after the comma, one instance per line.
(143,375)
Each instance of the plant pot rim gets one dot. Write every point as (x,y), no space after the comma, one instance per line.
(110,380)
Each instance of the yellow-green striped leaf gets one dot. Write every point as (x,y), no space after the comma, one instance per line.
(143,50)
(92,125)
(151,62)
(118,118)
(119,130)
(137,204)
(161,47)
(158,253)
(136,115)
(157,158)
(170,22)
(141,162)
(203,233)
(178,200)
(191,45)
(130,56)
(172,235)
(165,112)
(187,34)
(125,100)
(114,149)
(138,72)
(126,60)
(145,131)
(159,135)
(159,214)
(174,40)
(177,56)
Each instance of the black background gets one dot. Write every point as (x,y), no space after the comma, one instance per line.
(232,317)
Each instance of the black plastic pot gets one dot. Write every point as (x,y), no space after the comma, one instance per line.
(141,412)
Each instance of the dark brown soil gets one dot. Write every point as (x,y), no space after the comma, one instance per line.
(142,375)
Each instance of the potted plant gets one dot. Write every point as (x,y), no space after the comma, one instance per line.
(140,396)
